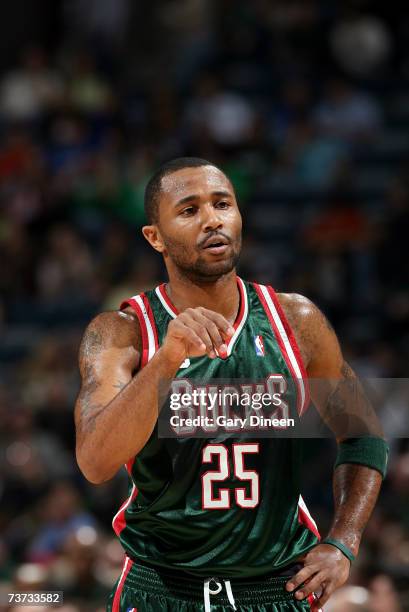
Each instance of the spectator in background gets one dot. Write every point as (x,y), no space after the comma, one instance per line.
(383,595)
(394,244)
(315,158)
(349,599)
(293,105)
(224,116)
(48,377)
(392,257)
(69,147)
(340,239)
(31,452)
(360,43)
(110,187)
(15,247)
(75,568)
(188,33)
(104,22)
(17,154)
(346,112)
(340,226)
(22,174)
(140,278)
(65,270)
(60,514)
(88,91)
(29,92)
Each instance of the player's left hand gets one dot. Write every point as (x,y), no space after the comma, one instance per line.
(325,569)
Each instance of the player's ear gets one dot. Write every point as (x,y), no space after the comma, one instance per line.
(152,235)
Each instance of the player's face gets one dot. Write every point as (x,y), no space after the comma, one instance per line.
(199,222)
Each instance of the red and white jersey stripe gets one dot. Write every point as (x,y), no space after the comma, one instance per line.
(240,319)
(140,304)
(286,341)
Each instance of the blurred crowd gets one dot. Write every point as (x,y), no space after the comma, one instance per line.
(305,105)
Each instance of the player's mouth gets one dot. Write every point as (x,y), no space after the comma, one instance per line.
(216,244)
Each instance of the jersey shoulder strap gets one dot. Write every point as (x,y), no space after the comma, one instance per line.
(286,341)
(140,305)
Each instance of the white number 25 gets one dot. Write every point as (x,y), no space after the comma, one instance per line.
(222,500)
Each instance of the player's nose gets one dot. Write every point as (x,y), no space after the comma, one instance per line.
(211,219)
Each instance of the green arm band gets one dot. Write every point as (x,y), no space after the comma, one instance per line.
(369,450)
(344,549)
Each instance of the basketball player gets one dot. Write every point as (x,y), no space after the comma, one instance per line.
(209,524)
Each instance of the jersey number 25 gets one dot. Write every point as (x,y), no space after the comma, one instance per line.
(222,499)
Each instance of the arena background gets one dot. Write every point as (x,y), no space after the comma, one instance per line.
(305,104)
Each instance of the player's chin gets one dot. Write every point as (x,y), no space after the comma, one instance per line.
(217,267)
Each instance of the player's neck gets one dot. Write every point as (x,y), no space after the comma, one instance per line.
(222,295)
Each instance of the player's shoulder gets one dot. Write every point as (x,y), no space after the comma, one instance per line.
(114,328)
(302,312)
(297,307)
(309,325)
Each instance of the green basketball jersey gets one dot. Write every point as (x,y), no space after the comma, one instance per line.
(227,506)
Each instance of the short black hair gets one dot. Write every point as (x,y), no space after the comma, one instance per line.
(154,186)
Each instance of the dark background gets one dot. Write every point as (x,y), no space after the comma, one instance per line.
(305,105)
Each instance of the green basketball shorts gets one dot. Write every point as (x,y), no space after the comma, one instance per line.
(143,589)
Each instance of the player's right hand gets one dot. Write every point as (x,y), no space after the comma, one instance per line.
(196,332)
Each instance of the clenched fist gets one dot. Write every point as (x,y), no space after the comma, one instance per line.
(196,332)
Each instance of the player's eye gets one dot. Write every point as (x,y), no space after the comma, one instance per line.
(189,210)
(222,204)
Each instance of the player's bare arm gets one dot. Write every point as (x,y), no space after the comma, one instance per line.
(117,407)
(341,401)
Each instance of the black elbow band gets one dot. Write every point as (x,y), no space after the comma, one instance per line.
(369,450)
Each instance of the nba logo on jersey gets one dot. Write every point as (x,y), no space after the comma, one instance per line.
(259,344)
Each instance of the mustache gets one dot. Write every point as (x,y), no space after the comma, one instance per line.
(213,235)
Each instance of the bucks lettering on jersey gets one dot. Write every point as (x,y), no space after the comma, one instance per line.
(230,508)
